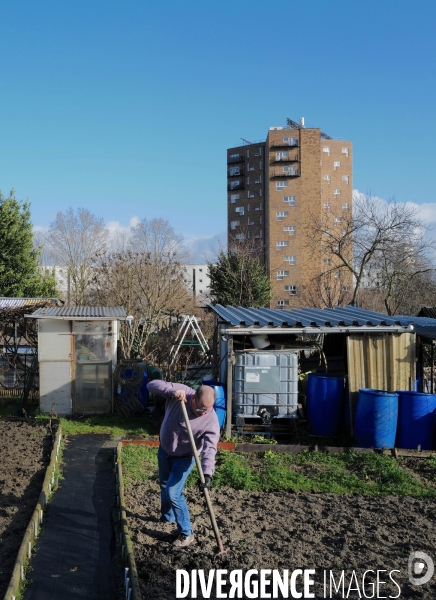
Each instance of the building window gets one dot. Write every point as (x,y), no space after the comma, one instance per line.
(250,222)
(337,275)
(338,219)
(260,193)
(346,288)
(291,141)
(345,151)
(260,220)
(326,149)
(281,274)
(345,206)
(326,178)
(234,171)
(234,184)
(280,185)
(337,191)
(282,302)
(345,178)
(248,153)
(327,205)
(240,210)
(292,260)
(247,179)
(234,197)
(259,207)
(291,200)
(280,244)
(235,156)
(239,236)
(280,214)
(290,170)
(292,289)
(327,261)
(260,164)
(336,164)
(291,229)
(282,155)
(234,224)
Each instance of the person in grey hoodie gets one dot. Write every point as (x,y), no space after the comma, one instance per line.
(175,457)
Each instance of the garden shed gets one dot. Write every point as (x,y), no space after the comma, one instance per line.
(371,349)
(77,353)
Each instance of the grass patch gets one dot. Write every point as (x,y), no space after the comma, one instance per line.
(139,463)
(349,473)
(114,425)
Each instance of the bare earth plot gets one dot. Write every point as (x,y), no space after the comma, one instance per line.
(24,456)
(284,530)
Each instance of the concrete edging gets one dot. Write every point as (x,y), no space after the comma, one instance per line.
(36,521)
(131,582)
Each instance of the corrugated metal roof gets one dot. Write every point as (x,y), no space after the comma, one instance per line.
(80,312)
(427,311)
(307,317)
(20,302)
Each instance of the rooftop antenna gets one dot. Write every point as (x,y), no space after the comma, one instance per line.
(324,136)
(246,141)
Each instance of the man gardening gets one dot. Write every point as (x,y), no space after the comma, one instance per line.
(175,458)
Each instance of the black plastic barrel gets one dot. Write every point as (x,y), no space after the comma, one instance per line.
(325,397)
(375,422)
(416,420)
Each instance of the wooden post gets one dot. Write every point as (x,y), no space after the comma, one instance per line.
(229,407)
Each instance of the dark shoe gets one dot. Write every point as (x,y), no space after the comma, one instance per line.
(183,540)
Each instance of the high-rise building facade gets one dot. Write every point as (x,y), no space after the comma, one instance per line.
(277,191)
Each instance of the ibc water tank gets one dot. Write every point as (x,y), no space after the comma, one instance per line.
(375,422)
(325,398)
(416,420)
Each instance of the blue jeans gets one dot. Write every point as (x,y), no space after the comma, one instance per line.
(173,473)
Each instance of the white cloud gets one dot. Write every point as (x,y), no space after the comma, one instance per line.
(425,211)
(204,248)
(114,226)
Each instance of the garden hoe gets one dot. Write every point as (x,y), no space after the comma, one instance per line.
(202,480)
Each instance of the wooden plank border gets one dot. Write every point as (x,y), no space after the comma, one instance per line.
(131,581)
(295,449)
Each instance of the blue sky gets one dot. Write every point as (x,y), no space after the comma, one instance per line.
(127,108)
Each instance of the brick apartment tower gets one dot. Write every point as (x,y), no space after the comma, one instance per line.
(275,189)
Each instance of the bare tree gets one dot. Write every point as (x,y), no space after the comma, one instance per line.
(74,239)
(157,238)
(327,290)
(148,280)
(146,290)
(383,241)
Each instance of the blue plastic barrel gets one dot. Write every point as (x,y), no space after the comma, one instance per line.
(325,397)
(140,377)
(416,420)
(220,400)
(375,422)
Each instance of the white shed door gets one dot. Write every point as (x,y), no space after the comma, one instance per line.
(54,340)
(55,387)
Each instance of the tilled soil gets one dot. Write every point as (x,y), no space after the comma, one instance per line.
(325,532)
(24,457)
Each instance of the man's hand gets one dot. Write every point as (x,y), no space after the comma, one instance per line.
(180,395)
(206,484)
